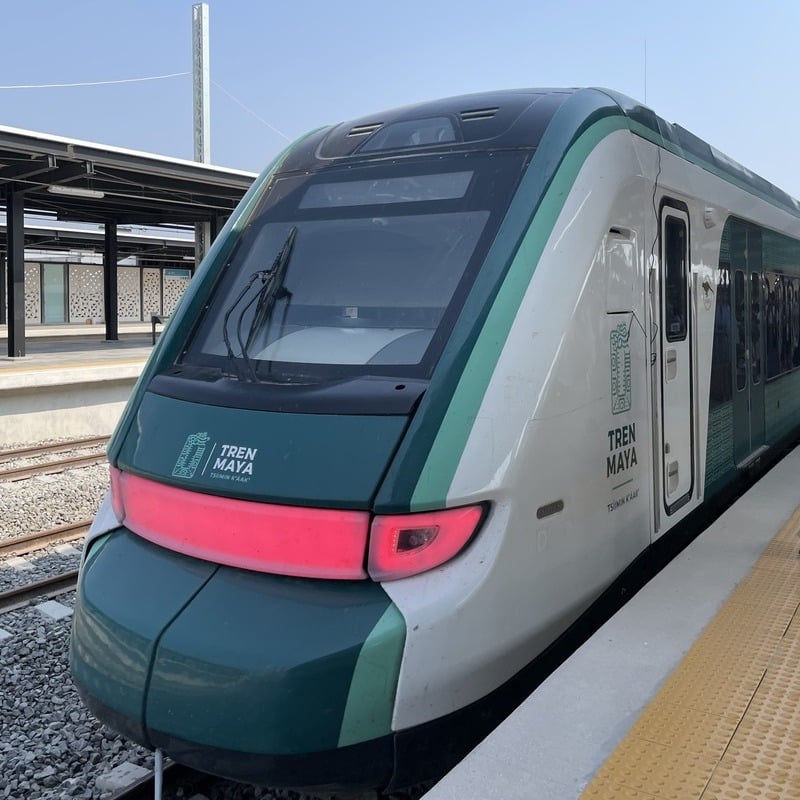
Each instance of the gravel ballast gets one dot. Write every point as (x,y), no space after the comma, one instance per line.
(45,501)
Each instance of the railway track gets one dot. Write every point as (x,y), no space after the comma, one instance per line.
(33,541)
(49,587)
(60,447)
(17,473)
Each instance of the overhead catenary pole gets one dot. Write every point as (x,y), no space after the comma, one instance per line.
(201,84)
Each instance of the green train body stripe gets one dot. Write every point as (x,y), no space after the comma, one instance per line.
(729,177)
(370,701)
(682,143)
(439,469)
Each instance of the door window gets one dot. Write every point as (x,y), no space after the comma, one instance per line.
(676,279)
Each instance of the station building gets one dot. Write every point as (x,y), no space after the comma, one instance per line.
(64,284)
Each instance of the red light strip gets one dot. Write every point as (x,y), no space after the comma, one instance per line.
(264,537)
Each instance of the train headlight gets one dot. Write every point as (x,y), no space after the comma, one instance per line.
(402,545)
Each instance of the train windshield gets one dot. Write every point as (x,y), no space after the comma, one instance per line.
(355,270)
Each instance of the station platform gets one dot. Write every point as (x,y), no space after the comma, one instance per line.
(71,382)
(691,691)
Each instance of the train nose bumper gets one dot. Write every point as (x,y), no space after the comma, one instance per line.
(261,678)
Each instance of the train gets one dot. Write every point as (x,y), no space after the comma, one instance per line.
(445,374)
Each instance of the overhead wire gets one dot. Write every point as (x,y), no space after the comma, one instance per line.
(250,111)
(93,83)
(235,99)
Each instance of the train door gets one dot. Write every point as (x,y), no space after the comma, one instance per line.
(748,362)
(677,418)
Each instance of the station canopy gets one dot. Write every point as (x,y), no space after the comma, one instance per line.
(72,187)
(76,181)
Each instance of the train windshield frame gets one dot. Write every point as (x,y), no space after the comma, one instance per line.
(356,269)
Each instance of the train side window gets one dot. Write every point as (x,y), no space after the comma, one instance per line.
(773,315)
(755,327)
(788,316)
(783,306)
(721,384)
(676,271)
(796,323)
(741,341)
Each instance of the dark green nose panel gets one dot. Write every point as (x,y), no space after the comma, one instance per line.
(264,664)
(169,647)
(130,590)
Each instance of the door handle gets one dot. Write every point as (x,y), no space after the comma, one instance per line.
(671,361)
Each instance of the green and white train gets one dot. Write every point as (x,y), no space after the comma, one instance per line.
(446,373)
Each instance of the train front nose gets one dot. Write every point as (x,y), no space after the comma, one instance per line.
(260,678)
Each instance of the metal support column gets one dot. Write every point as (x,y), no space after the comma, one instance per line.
(202,241)
(204,235)
(3,319)
(217,224)
(15,273)
(110,300)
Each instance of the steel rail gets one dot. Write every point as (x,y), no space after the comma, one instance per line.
(49,587)
(34,541)
(60,447)
(19,473)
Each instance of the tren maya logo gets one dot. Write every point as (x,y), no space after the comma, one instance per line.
(620,369)
(191,455)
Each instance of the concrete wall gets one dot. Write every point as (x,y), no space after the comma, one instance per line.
(85,402)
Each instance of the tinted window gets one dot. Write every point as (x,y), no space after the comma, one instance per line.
(377,260)
(675,257)
(755,327)
(740,354)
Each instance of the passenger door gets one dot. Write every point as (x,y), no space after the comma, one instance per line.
(677,419)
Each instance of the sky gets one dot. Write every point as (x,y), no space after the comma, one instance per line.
(727,71)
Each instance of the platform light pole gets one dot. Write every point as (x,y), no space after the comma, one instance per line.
(201,84)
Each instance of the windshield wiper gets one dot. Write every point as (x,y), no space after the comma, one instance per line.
(272,290)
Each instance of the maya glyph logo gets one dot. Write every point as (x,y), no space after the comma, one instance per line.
(620,369)
(192,453)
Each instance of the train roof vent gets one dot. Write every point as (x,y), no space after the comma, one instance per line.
(478,114)
(365,130)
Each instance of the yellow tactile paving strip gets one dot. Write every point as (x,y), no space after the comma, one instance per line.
(726,723)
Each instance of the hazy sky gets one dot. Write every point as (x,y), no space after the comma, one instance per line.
(725,70)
